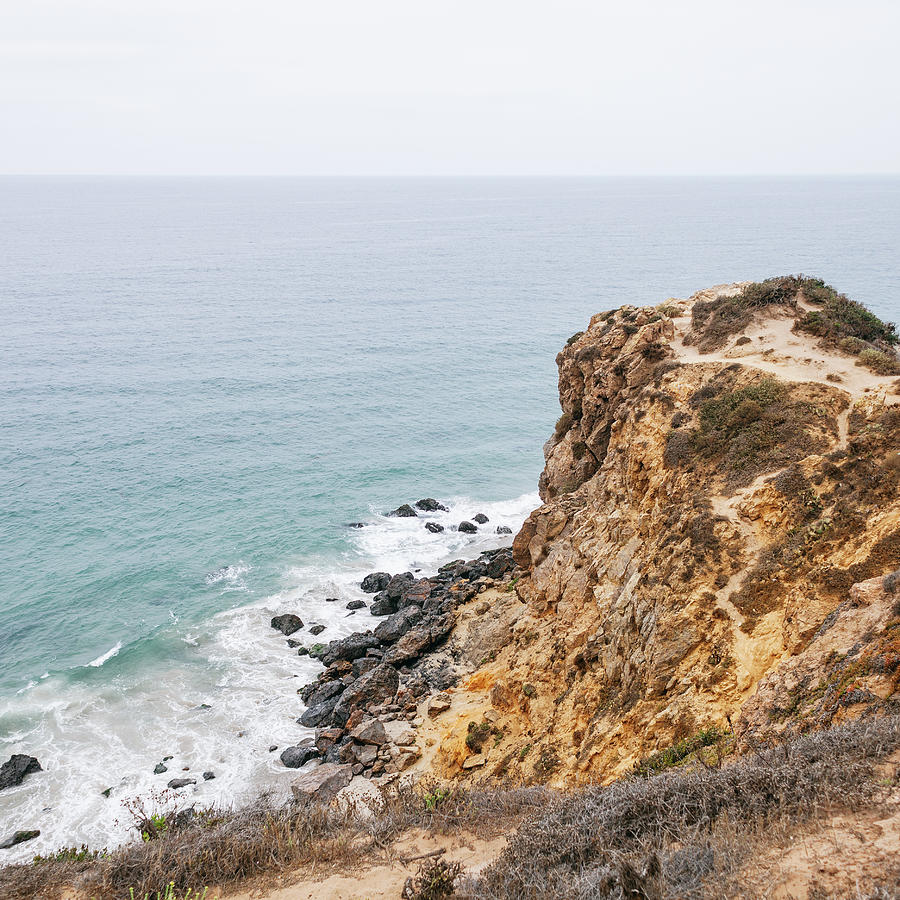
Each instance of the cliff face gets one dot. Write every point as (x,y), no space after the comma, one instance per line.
(721,505)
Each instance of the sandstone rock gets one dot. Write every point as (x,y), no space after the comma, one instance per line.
(322,783)
(287,624)
(370,732)
(14,770)
(437,704)
(474,762)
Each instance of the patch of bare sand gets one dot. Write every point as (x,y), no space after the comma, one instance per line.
(385,877)
(846,854)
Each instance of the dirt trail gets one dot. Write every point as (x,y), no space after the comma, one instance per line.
(774,348)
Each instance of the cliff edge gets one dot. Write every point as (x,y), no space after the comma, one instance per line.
(715,549)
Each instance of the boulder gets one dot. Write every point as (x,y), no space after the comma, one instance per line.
(403,512)
(176,783)
(439,703)
(364,664)
(467,528)
(356,604)
(287,624)
(382,605)
(316,629)
(320,691)
(365,754)
(373,687)
(14,770)
(326,738)
(159,768)
(394,627)
(18,837)
(208,776)
(349,648)
(369,732)
(504,529)
(433,527)
(429,504)
(294,757)
(397,585)
(375,582)
(318,714)
(480,518)
(322,783)
(420,638)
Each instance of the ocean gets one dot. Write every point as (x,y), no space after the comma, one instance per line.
(204,381)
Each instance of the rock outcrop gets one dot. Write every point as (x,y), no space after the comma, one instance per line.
(720,495)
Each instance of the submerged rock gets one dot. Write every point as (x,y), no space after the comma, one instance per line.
(403,512)
(176,783)
(287,624)
(14,770)
(19,837)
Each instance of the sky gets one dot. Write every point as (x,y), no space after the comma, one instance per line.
(424,87)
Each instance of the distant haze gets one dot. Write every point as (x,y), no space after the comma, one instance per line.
(289,87)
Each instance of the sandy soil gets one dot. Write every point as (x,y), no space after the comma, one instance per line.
(385,877)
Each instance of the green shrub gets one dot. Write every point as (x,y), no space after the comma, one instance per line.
(574,338)
(879,362)
(564,423)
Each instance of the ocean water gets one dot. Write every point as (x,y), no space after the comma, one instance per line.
(202,381)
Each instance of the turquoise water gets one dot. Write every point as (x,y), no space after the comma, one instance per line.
(203,381)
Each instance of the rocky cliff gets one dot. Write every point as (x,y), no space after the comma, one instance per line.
(715,549)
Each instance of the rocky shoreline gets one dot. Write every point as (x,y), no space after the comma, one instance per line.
(367,704)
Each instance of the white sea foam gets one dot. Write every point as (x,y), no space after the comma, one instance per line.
(219,711)
(113,651)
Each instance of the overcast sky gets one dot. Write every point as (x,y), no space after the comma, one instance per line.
(470,87)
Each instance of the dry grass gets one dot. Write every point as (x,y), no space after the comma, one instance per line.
(684,834)
(227,848)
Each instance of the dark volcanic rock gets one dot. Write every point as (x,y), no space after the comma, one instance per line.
(356,604)
(382,605)
(287,624)
(319,691)
(176,783)
(480,518)
(14,770)
(500,565)
(416,592)
(316,629)
(159,768)
(208,776)
(373,687)
(349,648)
(467,528)
(375,582)
(18,837)
(294,757)
(394,627)
(356,524)
(420,638)
(504,529)
(433,527)
(316,715)
(364,664)
(429,504)
(403,512)
(397,585)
